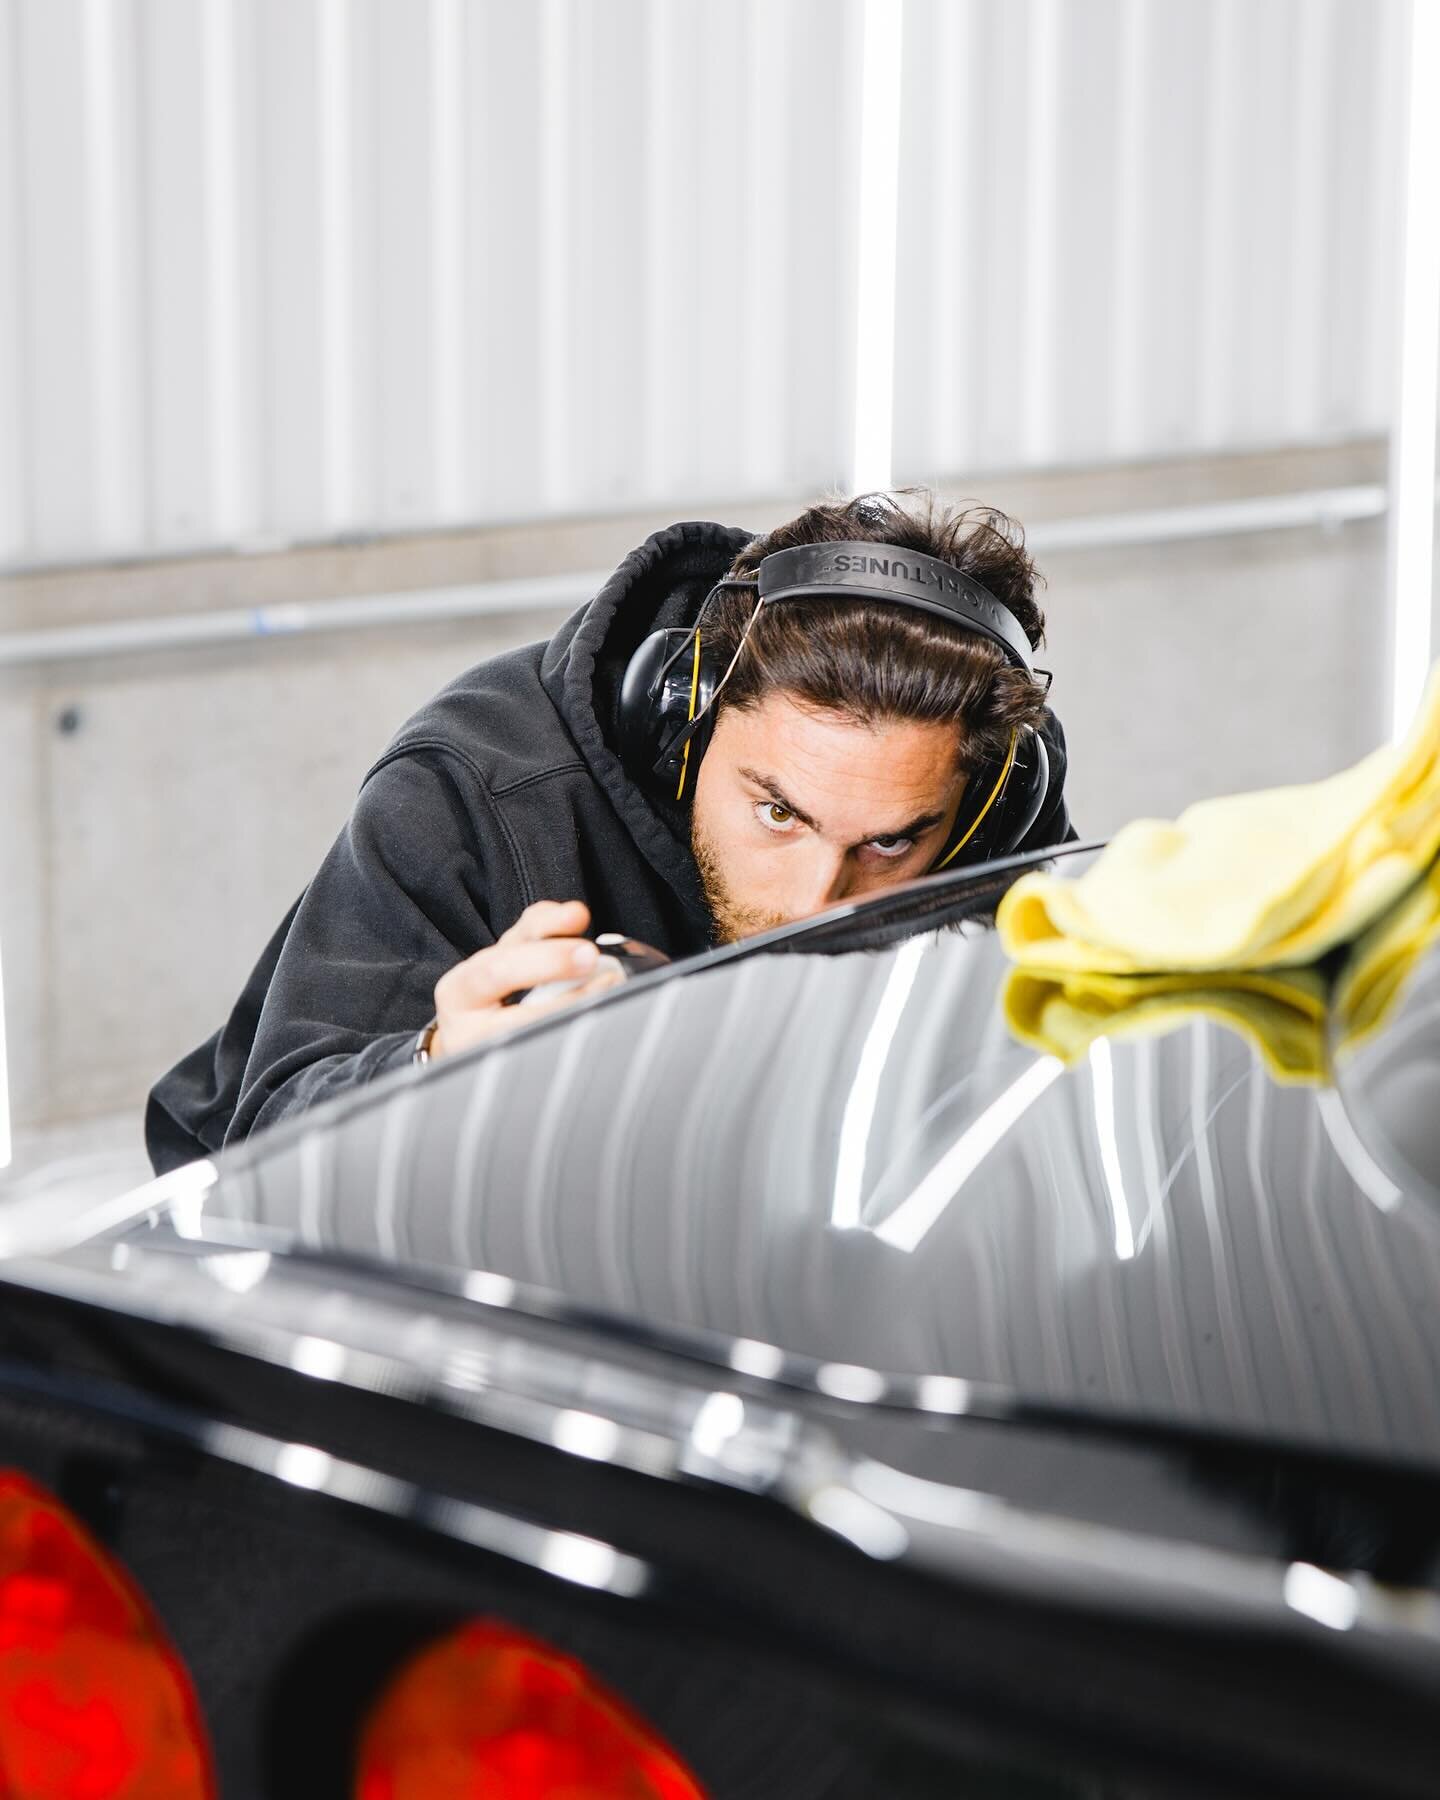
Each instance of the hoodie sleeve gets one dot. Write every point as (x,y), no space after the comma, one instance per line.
(348,980)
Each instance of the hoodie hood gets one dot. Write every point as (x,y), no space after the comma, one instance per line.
(661,585)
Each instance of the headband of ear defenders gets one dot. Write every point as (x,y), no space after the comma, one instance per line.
(883,572)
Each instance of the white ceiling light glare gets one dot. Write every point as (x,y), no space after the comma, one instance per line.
(859,1112)
(912,1219)
(1107,1129)
(881,38)
(1328,1599)
(1412,436)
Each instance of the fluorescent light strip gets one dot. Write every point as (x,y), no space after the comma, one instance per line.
(1412,441)
(918,1211)
(875,245)
(865,1089)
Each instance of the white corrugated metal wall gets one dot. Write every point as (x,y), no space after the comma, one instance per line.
(1144,227)
(291,269)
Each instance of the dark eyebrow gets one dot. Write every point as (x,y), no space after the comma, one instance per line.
(913,829)
(772,788)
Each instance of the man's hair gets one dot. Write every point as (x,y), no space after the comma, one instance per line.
(872,661)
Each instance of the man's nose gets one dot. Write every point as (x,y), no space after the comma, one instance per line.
(826,882)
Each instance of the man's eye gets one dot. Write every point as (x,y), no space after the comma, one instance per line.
(890,846)
(774,816)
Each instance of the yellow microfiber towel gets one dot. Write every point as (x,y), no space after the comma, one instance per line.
(1374,973)
(1283,1016)
(1250,881)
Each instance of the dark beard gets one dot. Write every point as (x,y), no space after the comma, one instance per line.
(729,919)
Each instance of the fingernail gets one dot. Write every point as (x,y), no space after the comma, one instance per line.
(583,955)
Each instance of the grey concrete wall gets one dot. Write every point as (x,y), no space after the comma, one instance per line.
(161,813)
(1188,670)
(157,841)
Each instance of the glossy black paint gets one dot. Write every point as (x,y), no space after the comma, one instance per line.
(1170,1239)
(1156,1293)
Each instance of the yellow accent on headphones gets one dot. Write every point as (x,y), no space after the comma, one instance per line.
(994,795)
(694,690)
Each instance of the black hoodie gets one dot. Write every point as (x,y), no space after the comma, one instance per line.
(502,790)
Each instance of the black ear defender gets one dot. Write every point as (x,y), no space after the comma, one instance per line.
(667,704)
(1000,803)
(667,697)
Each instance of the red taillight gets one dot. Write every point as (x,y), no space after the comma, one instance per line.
(491,1714)
(94,1703)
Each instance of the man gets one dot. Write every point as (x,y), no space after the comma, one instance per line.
(833,754)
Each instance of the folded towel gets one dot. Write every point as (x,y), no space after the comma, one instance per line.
(1373,976)
(1283,1013)
(1282,1016)
(1246,882)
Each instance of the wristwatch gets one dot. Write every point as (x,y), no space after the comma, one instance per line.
(423,1040)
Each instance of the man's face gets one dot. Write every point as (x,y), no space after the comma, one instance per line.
(796,810)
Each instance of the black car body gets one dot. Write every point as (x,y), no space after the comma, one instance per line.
(880,1404)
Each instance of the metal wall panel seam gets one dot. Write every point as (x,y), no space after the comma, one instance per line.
(113,232)
(334,20)
(1130,161)
(1416,391)
(1311,143)
(232,499)
(1040,363)
(1219,184)
(448,367)
(766,298)
(1385,147)
(663,56)
(15,422)
(949,438)
(556,296)
(175,318)
(880,47)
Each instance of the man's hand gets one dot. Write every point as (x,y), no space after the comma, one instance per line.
(542,945)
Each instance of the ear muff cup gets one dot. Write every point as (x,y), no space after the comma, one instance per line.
(1001,802)
(669,681)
